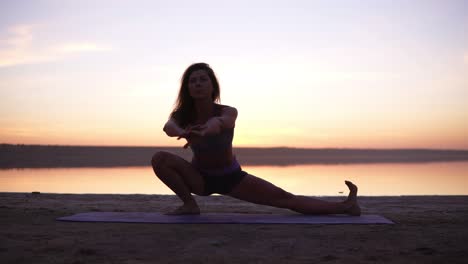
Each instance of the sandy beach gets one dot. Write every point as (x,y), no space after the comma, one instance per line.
(428,229)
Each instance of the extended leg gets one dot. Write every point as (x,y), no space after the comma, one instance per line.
(256,190)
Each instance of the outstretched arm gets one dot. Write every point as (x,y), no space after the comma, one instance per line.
(215,124)
(172,129)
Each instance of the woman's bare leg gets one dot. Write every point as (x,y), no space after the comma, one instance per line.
(181,178)
(256,190)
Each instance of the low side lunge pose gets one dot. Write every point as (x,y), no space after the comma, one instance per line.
(208,128)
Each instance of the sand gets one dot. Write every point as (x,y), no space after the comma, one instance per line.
(429,229)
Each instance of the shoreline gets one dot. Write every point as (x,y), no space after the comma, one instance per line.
(173,195)
(428,229)
(40,156)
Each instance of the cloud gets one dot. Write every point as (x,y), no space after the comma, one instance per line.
(17,43)
(81,47)
(20,36)
(19,48)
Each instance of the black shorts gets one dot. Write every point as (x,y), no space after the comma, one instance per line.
(224,183)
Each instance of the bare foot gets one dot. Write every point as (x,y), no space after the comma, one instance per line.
(352,206)
(352,196)
(186,209)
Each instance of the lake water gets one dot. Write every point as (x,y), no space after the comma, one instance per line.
(438,178)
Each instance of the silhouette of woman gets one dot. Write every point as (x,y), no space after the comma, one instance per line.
(208,128)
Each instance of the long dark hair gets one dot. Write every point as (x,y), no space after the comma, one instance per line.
(183,108)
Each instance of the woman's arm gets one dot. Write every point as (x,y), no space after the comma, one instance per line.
(172,129)
(215,124)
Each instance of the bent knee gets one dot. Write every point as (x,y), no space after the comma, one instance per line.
(160,159)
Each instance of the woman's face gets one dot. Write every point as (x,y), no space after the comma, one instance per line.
(199,85)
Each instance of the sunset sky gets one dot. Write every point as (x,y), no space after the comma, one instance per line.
(351,74)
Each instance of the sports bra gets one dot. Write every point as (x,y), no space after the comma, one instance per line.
(214,145)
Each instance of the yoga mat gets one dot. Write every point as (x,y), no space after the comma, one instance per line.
(223,218)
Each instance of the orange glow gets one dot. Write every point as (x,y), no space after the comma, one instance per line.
(444,178)
(310,76)
(373,179)
(450,140)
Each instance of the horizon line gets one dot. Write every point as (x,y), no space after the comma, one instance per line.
(238,147)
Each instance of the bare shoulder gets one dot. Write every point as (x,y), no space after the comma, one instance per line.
(228,116)
(226,109)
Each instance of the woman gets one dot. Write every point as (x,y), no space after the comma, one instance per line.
(208,128)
